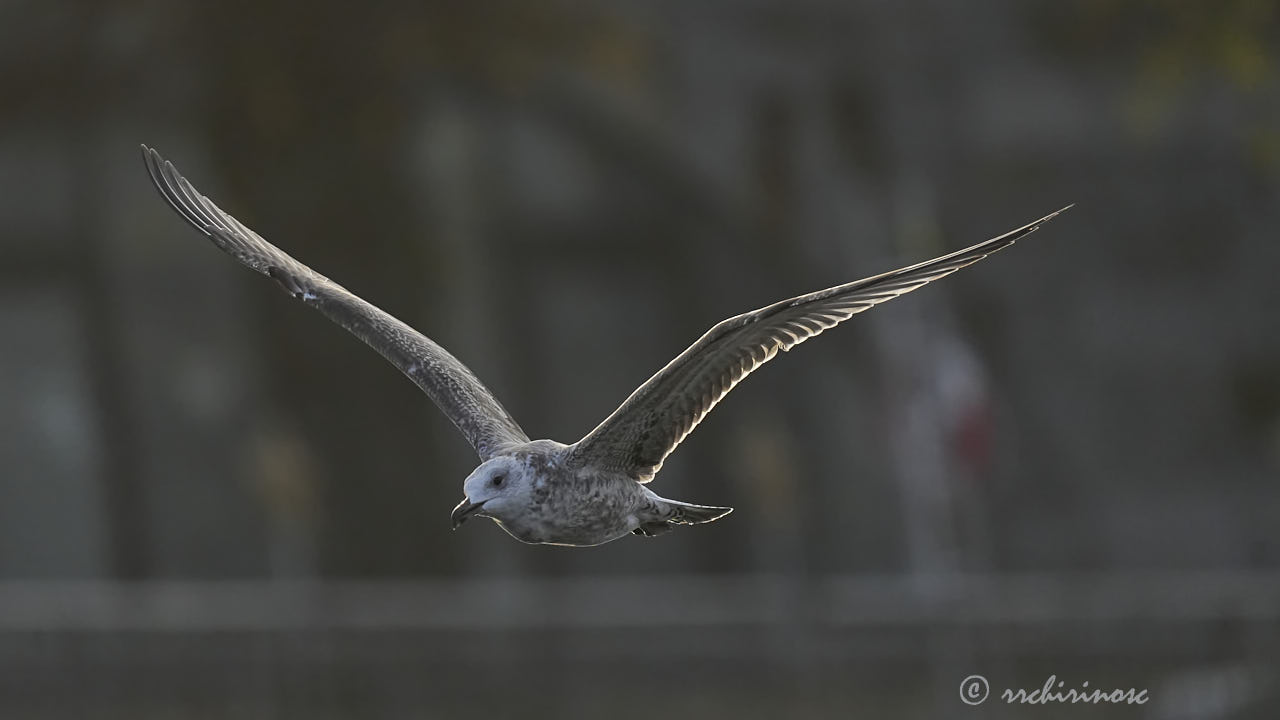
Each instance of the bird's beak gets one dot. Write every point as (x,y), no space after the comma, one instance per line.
(465,509)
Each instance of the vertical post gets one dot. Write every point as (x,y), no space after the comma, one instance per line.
(99,310)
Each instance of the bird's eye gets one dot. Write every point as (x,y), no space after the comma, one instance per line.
(497,480)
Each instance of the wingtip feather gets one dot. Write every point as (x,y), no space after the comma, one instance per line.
(1056,213)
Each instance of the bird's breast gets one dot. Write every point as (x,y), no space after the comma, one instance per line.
(586,511)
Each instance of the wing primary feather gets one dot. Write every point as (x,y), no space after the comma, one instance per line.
(711,367)
(451,385)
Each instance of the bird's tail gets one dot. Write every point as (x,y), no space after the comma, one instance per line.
(690,514)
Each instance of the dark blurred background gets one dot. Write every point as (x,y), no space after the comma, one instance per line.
(1062,461)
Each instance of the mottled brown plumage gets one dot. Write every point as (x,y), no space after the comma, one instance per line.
(450,384)
(641,433)
(593,491)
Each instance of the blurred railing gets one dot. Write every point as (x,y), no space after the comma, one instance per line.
(746,646)
(639,601)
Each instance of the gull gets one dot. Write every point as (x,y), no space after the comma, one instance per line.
(594,490)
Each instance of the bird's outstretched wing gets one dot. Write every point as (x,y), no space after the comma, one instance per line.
(640,434)
(450,384)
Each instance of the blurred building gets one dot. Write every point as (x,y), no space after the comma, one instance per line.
(1061,461)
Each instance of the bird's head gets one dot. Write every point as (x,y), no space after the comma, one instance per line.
(500,489)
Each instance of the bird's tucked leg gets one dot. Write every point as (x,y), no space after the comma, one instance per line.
(652,529)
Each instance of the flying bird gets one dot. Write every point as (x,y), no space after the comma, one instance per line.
(594,490)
